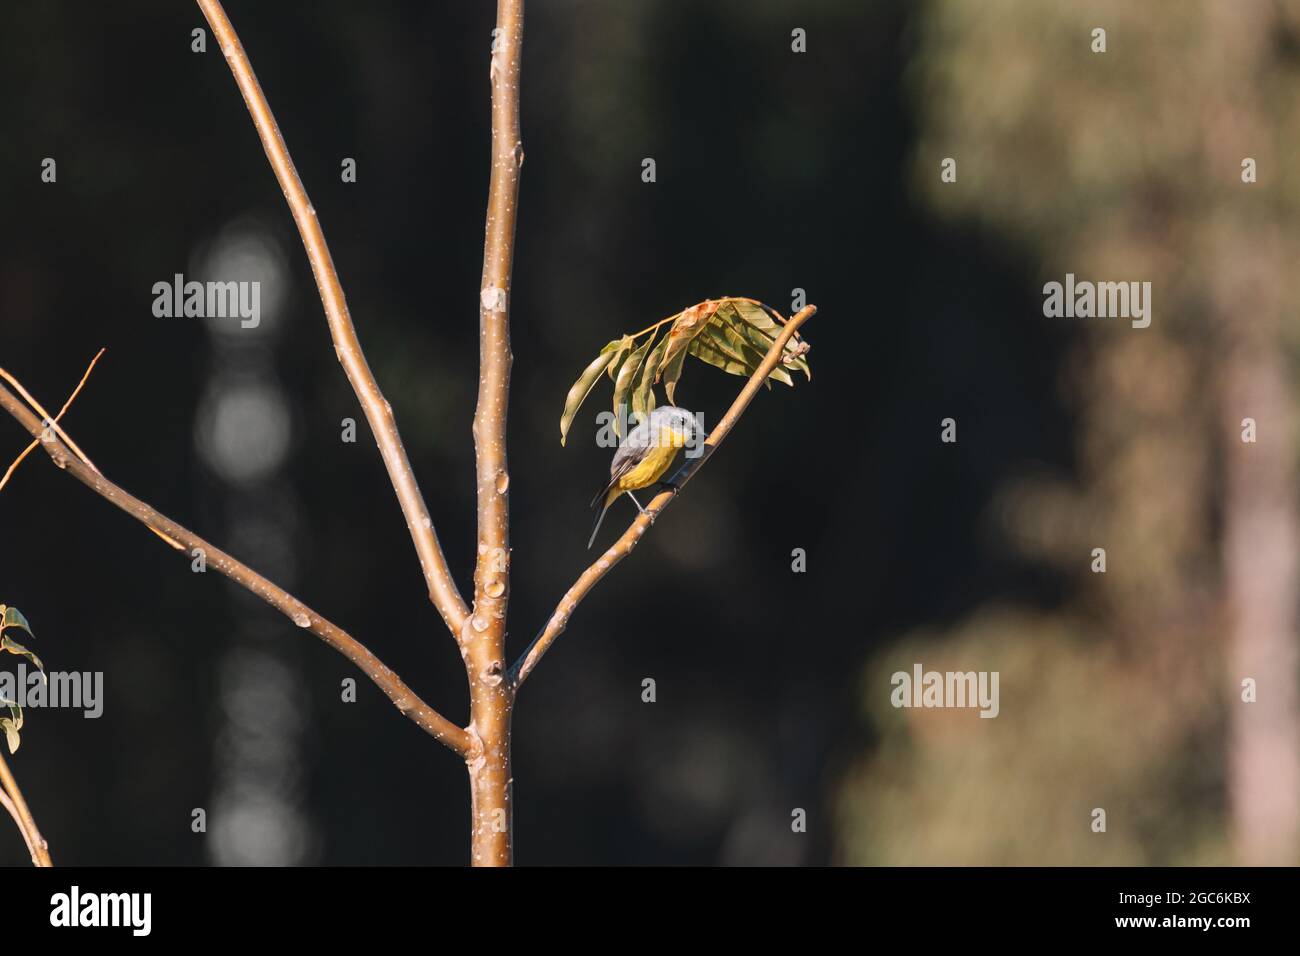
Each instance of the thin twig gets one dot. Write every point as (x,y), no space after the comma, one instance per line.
(442,587)
(621,548)
(13,802)
(52,423)
(66,405)
(54,428)
(407,701)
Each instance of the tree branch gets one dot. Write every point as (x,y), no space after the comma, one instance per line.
(406,700)
(12,799)
(31,446)
(621,548)
(492,571)
(483,643)
(442,587)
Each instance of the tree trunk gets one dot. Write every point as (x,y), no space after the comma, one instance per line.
(1260,547)
(492,701)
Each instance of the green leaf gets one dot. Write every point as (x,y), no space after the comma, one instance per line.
(672,373)
(733,334)
(12,725)
(13,647)
(756,341)
(11,734)
(626,379)
(730,340)
(754,314)
(755,321)
(643,396)
(621,349)
(704,350)
(583,386)
(12,617)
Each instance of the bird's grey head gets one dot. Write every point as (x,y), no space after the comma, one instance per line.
(678,419)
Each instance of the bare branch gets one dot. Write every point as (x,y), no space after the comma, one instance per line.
(50,422)
(483,643)
(66,405)
(407,701)
(491,575)
(621,548)
(442,587)
(12,799)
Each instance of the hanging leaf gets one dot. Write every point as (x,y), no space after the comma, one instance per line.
(762,341)
(704,350)
(731,333)
(687,324)
(755,320)
(728,339)
(583,386)
(13,647)
(627,377)
(643,396)
(12,617)
(624,346)
(12,724)
(671,373)
(11,734)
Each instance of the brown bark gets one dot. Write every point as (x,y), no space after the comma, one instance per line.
(11,798)
(442,588)
(406,700)
(621,548)
(483,638)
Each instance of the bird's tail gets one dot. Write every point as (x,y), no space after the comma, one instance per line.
(600,516)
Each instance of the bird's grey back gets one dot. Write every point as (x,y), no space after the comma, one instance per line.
(644,436)
(634,446)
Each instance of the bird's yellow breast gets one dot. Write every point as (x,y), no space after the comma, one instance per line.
(650,468)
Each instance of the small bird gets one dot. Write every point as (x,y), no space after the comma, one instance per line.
(644,456)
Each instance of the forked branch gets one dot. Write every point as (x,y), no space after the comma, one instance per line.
(407,701)
(442,587)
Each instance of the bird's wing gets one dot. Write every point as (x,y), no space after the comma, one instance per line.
(627,457)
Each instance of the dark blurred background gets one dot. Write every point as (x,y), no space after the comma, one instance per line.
(776,171)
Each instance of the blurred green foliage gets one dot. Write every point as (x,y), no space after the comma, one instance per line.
(1123,165)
